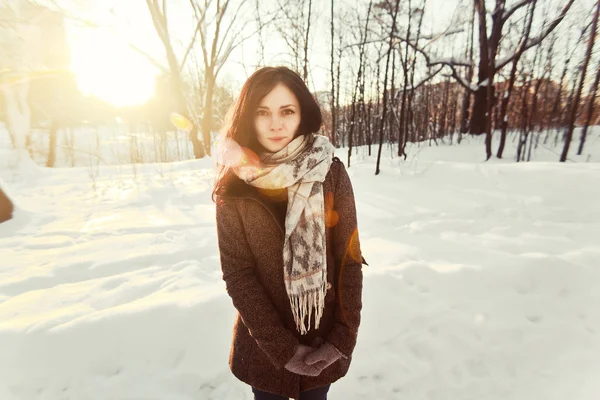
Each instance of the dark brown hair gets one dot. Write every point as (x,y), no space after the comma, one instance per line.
(239,125)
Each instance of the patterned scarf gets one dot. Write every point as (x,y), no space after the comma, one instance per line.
(300,167)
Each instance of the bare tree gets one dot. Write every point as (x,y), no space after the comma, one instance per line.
(466,102)
(402,135)
(489,61)
(575,105)
(261,25)
(489,64)
(333,103)
(511,81)
(294,27)
(308,19)
(406,109)
(590,110)
(385,81)
(359,86)
(226,37)
(216,48)
(555,114)
(158,12)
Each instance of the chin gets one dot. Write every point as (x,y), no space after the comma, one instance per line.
(275,147)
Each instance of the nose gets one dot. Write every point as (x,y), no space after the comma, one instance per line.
(276,123)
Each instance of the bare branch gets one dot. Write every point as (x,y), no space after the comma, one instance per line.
(220,14)
(156,19)
(203,46)
(156,63)
(231,24)
(462,81)
(449,31)
(451,61)
(200,16)
(426,79)
(537,40)
(68,15)
(511,11)
(232,46)
(190,46)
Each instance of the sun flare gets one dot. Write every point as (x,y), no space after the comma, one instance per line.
(108,68)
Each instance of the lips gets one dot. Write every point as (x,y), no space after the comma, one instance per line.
(277,138)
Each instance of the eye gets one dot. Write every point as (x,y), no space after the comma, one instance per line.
(261,113)
(288,111)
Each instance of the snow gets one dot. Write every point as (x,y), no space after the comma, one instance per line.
(451,61)
(452,30)
(504,60)
(482,284)
(464,82)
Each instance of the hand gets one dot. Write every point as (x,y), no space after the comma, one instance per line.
(323,357)
(298,366)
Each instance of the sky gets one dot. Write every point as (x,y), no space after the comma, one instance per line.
(108,67)
(105,64)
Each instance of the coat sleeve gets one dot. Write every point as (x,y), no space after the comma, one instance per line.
(249,298)
(348,258)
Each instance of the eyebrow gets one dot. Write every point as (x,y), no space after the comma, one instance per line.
(286,106)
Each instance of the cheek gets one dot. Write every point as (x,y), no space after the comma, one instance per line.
(294,121)
(260,126)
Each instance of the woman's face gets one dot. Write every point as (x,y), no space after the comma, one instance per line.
(277,118)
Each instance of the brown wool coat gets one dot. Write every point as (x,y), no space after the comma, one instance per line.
(250,231)
(6,207)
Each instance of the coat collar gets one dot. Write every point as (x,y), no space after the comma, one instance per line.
(237,189)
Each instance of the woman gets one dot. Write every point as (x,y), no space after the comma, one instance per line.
(288,242)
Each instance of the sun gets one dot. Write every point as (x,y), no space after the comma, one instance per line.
(107,67)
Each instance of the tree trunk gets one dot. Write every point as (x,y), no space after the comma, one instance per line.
(444,116)
(534,110)
(480,104)
(52,145)
(305,68)
(453,110)
(369,127)
(403,134)
(359,79)
(466,102)
(504,108)
(385,81)
(333,108)
(341,121)
(159,20)
(392,100)
(409,131)
(524,109)
(207,114)
(511,82)
(590,111)
(575,107)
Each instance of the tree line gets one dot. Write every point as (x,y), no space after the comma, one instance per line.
(497,68)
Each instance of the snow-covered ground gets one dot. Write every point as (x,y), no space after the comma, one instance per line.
(483,281)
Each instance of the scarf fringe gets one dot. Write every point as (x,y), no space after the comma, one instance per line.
(303,306)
